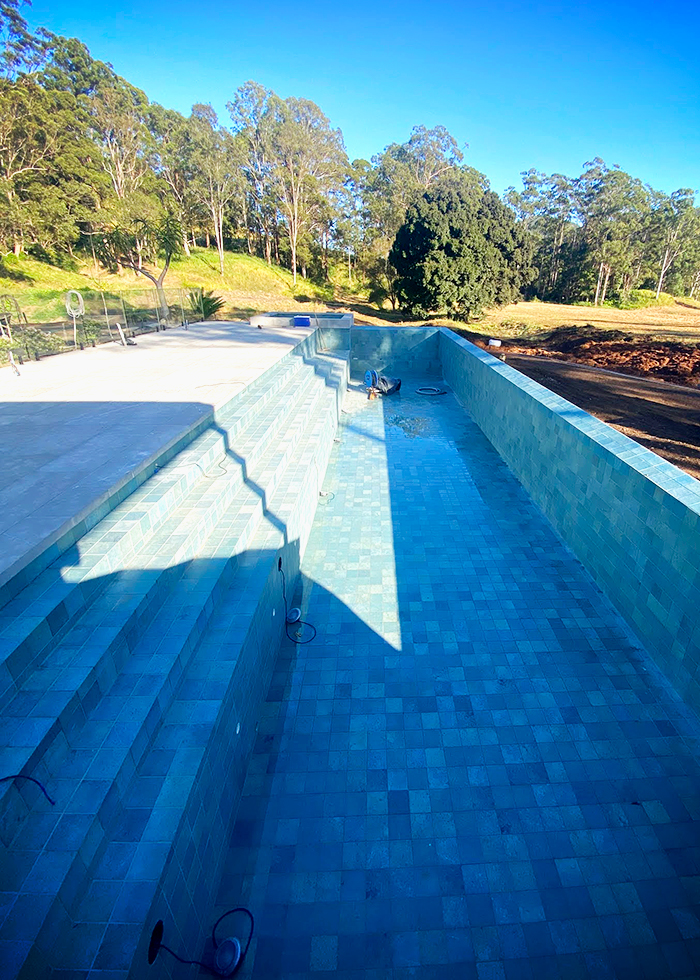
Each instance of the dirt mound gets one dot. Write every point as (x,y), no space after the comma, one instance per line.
(663,360)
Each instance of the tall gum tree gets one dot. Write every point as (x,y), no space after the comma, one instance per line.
(310,163)
(254,112)
(218,159)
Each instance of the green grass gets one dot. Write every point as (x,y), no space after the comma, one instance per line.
(248,285)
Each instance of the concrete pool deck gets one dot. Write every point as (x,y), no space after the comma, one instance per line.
(473,771)
(73,427)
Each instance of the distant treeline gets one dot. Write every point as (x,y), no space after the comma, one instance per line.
(89,164)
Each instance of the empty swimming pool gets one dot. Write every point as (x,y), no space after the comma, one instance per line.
(474,770)
(484,765)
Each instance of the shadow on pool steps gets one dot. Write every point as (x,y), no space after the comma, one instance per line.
(108,687)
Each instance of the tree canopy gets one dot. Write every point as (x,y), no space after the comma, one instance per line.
(460,249)
(89,163)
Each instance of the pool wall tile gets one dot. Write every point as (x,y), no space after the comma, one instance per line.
(392,351)
(631,518)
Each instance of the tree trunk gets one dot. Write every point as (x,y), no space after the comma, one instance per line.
(207,239)
(664,269)
(247,225)
(605,284)
(597,288)
(185,244)
(18,247)
(696,284)
(268,248)
(293,247)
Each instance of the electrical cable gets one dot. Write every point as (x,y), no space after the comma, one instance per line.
(157,945)
(19,775)
(189,962)
(300,622)
(206,475)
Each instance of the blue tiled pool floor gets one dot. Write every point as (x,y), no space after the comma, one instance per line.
(473,771)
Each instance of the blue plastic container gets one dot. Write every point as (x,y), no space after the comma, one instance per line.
(302,321)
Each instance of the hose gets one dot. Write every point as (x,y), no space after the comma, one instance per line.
(19,775)
(429,390)
(250,934)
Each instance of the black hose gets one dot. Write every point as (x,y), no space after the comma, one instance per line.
(429,390)
(19,775)
(295,639)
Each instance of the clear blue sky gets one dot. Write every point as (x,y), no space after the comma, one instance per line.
(546,85)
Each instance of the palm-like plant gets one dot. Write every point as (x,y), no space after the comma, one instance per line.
(206,303)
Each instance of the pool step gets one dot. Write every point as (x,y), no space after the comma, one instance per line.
(216,693)
(36,620)
(118,607)
(148,631)
(72,678)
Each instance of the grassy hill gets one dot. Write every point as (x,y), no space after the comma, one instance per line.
(249,285)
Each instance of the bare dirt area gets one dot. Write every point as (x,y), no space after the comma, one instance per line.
(663,417)
(664,360)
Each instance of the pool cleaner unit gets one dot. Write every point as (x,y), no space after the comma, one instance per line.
(378,384)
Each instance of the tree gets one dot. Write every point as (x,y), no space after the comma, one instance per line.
(460,249)
(217,159)
(547,208)
(44,167)
(676,227)
(254,112)
(402,173)
(611,208)
(309,165)
(173,161)
(20,48)
(132,245)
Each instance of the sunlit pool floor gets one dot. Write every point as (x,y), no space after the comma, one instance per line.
(472,771)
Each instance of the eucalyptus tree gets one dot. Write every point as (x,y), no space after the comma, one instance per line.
(173,160)
(309,165)
(676,227)
(612,208)
(547,207)
(217,159)
(20,49)
(254,111)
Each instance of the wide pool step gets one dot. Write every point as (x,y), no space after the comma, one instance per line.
(33,622)
(121,676)
(53,699)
